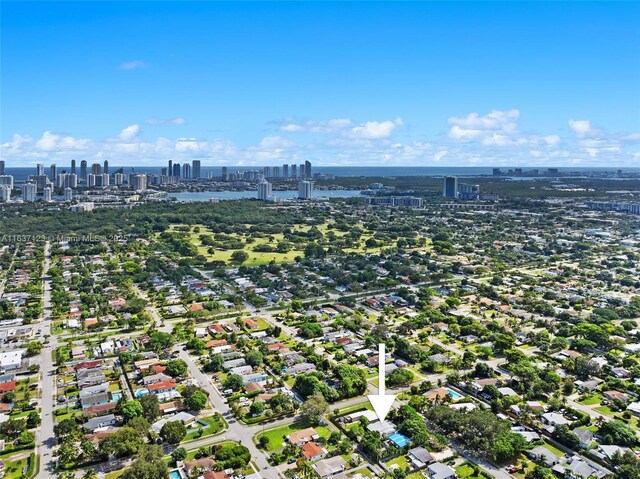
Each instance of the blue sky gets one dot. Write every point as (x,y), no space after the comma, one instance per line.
(425,84)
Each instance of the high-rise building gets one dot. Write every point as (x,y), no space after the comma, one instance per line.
(41,181)
(301,172)
(496,172)
(276,172)
(264,190)
(266,172)
(139,182)
(83,170)
(5,193)
(176,170)
(307,169)
(53,172)
(96,169)
(29,192)
(195,169)
(40,169)
(106,167)
(469,192)
(92,180)
(450,187)
(285,171)
(47,195)
(68,194)
(60,180)
(71,180)
(73,167)
(1,167)
(6,180)
(305,190)
(105,180)
(186,171)
(225,174)
(170,169)
(118,179)
(294,170)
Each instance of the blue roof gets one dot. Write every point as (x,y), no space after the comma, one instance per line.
(400,440)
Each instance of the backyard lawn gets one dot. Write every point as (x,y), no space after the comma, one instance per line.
(276,439)
(465,471)
(215,424)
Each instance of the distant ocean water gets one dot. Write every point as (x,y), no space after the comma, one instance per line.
(21,174)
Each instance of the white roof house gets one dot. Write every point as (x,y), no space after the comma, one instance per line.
(11,359)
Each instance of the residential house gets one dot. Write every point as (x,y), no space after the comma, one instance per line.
(437,470)
(312,451)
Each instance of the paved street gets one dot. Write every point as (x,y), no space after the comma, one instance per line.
(45,435)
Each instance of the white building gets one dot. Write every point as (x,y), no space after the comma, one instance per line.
(264,190)
(305,190)
(118,179)
(139,182)
(29,192)
(68,194)
(5,193)
(6,180)
(82,207)
(47,194)
(11,360)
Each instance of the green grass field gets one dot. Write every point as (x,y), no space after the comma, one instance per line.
(257,258)
(591,400)
(276,436)
(465,471)
(215,425)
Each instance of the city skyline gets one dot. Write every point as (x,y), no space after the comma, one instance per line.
(338,84)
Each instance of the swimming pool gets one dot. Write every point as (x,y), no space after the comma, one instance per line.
(175,475)
(116,396)
(142,392)
(454,395)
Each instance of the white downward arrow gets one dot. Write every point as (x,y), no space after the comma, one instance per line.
(381,403)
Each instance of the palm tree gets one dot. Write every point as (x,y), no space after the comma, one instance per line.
(305,468)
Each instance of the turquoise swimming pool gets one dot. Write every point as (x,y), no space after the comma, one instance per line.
(454,395)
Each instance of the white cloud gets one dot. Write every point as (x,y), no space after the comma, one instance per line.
(492,139)
(133,65)
(581,127)
(55,142)
(440,155)
(170,121)
(492,127)
(334,125)
(275,143)
(373,130)
(129,133)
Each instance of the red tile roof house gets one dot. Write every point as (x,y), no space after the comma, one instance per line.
(99,410)
(205,464)
(313,451)
(163,387)
(251,324)
(216,329)
(158,368)
(216,475)
(374,303)
(303,436)
(214,343)
(276,347)
(194,308)
(89,364)
(7,387)
(118,303)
